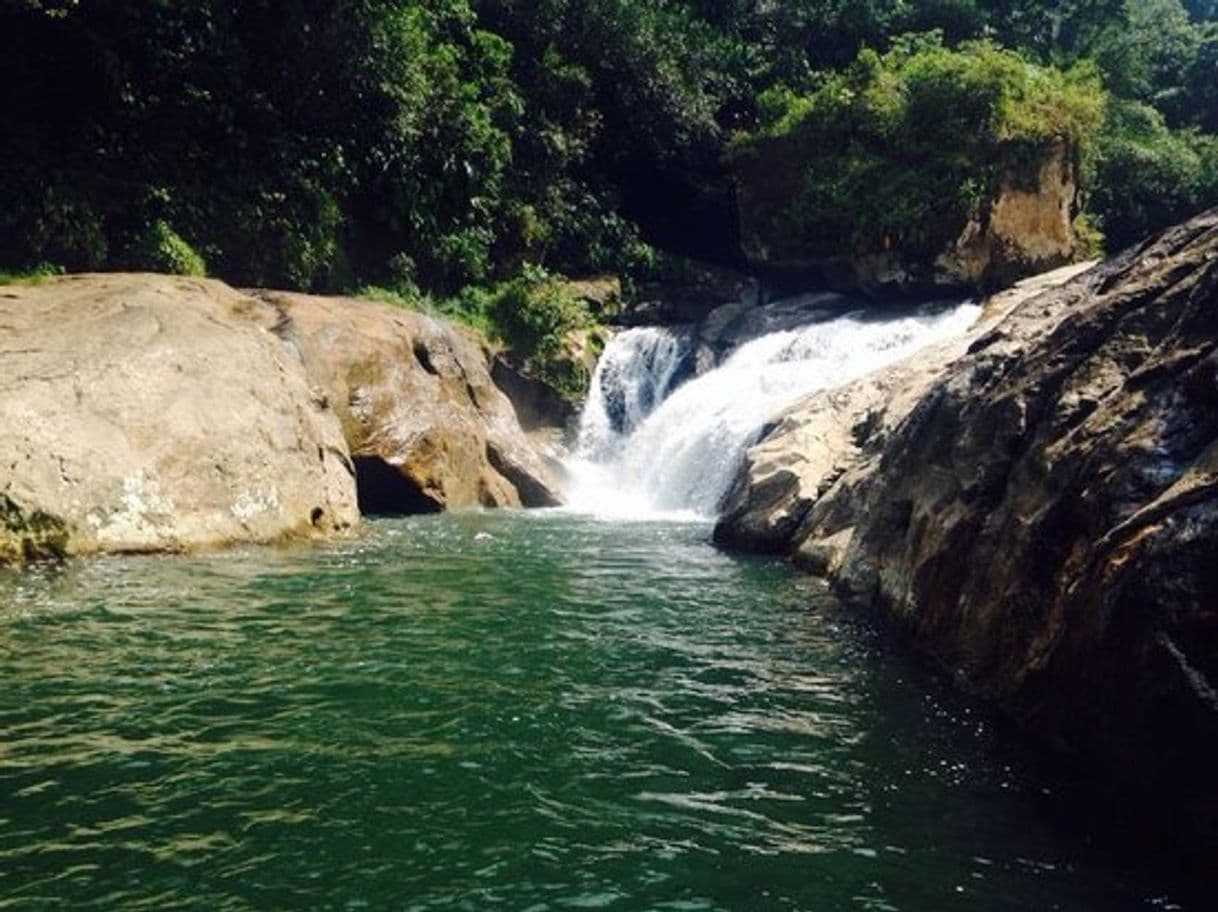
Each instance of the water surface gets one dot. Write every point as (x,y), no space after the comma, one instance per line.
(524,712)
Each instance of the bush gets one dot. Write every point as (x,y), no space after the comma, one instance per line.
(313,255)
(535,315)
(161,249)
(67,229)
(1149,176)
(30,276)
(468,309)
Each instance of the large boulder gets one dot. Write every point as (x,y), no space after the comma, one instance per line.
(1044,523)
(427,428)
(153,413)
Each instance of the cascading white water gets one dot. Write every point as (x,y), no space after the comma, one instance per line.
(634,375)
(640,456)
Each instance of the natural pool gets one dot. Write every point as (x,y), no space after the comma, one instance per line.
(499,711)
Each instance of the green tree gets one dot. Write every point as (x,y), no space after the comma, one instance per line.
(1148,175)
(898,150)
(436,143)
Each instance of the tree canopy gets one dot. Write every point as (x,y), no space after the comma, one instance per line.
(439,144)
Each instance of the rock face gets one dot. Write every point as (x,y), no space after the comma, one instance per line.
(833,434)
(601,294)
(151,413)
(154,413)
(1026,228)
(539,407)
(427,428)
(1044,521)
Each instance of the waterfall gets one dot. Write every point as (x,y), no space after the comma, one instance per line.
(634,375)
(651,445)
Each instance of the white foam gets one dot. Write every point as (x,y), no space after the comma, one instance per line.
(646,451)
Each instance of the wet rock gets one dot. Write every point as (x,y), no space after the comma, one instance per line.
(687,293)
(831,435)
(731,325)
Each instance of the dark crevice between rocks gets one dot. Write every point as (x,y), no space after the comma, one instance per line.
(384,491)
(423,356)
(283,328)
(537,405)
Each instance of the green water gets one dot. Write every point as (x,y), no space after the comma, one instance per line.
(497,712)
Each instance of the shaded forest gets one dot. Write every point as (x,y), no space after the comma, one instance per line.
(439,145)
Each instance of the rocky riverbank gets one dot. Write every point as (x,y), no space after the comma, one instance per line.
(158,413)
(1041,516)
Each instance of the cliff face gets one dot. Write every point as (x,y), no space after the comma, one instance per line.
(1043,519)
(1027,229)
(1025,226)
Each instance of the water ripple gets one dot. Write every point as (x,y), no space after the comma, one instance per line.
(491,712)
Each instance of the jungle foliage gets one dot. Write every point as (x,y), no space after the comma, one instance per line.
(429,146)
(899,148)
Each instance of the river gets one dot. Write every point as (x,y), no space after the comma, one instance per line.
(499,711)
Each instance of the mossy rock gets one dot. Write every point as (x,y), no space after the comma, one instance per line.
(923,169)
(30,538)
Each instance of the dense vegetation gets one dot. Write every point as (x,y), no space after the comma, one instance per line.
(443,144)
(900,148)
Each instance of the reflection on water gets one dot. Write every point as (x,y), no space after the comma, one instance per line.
(494,711)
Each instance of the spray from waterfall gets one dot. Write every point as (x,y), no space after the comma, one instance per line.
(655,441)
